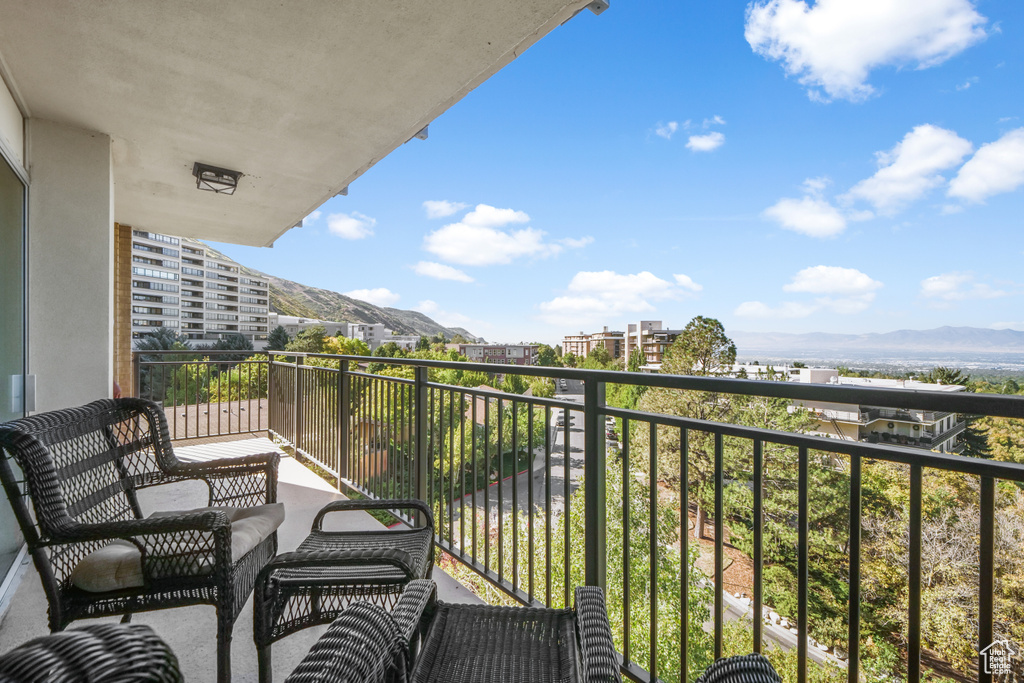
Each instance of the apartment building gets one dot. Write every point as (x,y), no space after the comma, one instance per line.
(374,334)
(182,284)
(934,430)
(502,354)
(581,344)
(652,339)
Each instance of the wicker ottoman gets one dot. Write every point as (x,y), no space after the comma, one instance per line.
(331,569)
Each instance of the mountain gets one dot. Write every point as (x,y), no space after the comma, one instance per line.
(942,344)
(292,298)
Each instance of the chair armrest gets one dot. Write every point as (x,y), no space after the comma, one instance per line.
(244,481)
(381,504)
(752,668)
(363,644)
(597,648)
(207,520)
(415,607)
(98,652)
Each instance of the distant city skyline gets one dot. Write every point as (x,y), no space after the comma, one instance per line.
(744,162)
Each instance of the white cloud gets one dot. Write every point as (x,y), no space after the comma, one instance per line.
(313,217)
(354,226)
(441,208)
(835,44)
(810,216)
(789,309)
(815,186)
(686,282)
(446,318)
(968,83)
(573,243)
(440,271)
(484,216)
(705,143)
(715,120)
(477,239)
(911,168)
(378,297)
(996,168)
(476,246)
(427,307)
(595,296)
(666,130)
(956,286)
(847,291)
(831,280)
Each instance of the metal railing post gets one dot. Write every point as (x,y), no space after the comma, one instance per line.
(136,390)
(296,407)
(270,394)
(422,461)
(343,419)
(594,472)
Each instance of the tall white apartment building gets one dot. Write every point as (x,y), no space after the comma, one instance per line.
(182,284)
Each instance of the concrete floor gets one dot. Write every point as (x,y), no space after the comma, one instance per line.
(191,631)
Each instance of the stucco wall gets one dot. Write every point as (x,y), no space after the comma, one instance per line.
(71,258)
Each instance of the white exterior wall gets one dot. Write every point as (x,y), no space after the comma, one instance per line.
(70,264)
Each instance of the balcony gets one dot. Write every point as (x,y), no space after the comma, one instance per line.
(521,518)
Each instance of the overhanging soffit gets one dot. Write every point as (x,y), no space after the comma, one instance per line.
(302,98)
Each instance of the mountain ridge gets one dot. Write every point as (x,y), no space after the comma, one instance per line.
(288,297)
(947,338)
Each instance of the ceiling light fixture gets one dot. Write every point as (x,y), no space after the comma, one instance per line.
(214,179)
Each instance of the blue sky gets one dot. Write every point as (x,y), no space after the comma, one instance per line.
(840,166)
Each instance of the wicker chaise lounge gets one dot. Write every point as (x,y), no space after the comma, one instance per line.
(465,643)
(95,553)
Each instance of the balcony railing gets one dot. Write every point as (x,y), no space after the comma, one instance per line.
(529,496)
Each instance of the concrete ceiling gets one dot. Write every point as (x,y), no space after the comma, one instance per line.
(301,97)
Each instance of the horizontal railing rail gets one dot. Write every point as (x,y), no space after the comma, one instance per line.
(205,393)
(535,504)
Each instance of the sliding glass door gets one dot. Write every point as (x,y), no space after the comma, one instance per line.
(12,333)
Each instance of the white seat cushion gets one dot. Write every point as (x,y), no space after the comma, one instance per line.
(118,565)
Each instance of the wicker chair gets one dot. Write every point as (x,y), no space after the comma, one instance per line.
(332,569)
(125,653)
(83,466)
(753,668)
(467,643)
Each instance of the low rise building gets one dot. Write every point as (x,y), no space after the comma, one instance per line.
(374,334)
(652,339)
(581,344)
(934,430)
(502,354)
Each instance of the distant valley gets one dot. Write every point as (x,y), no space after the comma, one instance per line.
(967,347)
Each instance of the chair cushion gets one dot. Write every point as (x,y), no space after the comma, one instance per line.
(118,565)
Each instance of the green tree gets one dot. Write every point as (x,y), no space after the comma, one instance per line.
(154,380)
(598,358)
(278,339)
(309,340)
(547,357)
(569,360)
(423,344)
(701,349)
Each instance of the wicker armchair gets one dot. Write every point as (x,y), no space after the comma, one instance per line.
(82,467)
(465,643)
(126,653)
(753,668)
